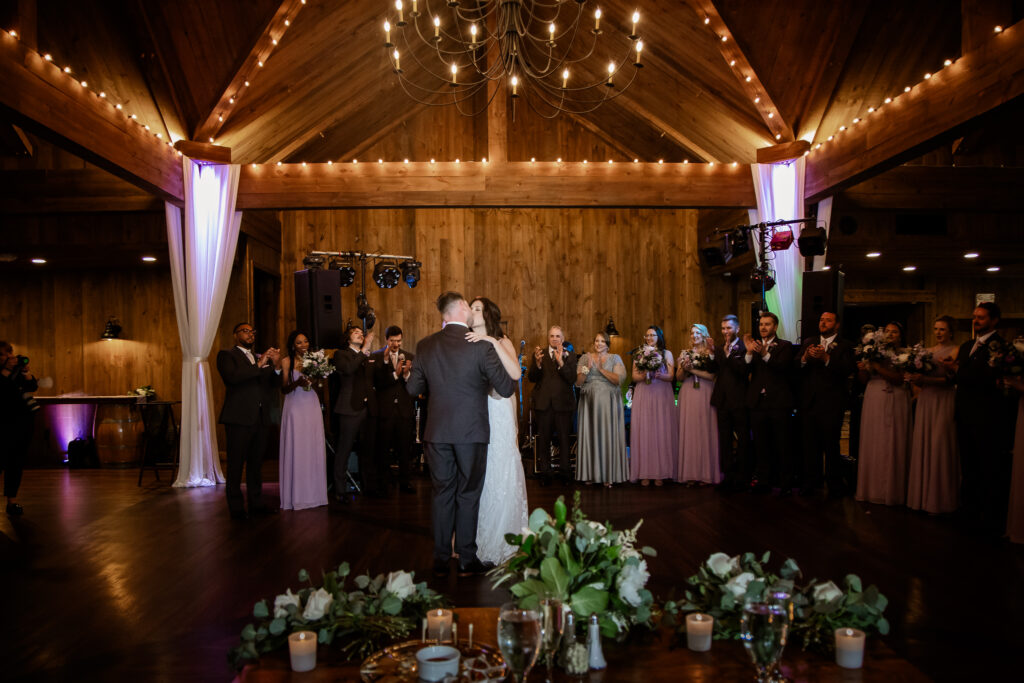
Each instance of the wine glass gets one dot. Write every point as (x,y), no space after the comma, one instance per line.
(552,625)
(519,638)
(763,629)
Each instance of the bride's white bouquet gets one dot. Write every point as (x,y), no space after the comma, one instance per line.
(315,365)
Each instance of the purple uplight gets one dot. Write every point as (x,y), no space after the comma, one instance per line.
(70,421)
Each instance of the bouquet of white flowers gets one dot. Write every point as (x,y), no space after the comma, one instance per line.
(699,360)
(915,359)
(874,348)
(315,366)
(649,359)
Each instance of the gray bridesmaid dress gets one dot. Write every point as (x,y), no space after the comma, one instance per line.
(601,448)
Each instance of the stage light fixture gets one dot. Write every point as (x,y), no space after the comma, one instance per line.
(411,272)
(716,256)
(812,241)
(738,242)
(781,239)
(386,274)
(761,278)
(346,270)
(365,311)
(313,262)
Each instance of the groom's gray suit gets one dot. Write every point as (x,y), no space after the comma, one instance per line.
(456,375)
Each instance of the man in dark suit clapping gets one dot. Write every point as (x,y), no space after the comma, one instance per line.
(729,397)
(771,401)
(250,381)
(356,408)
(553,373)
(826,363)
(396,410)
(459,375)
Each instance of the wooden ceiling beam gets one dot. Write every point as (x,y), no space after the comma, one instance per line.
(71,191)
(523,184)
(50,103)
(210,125)
(974,84)
(669,130)
(602,135)
(939,188)
(742,69)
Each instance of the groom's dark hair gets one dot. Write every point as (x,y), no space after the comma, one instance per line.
(447,300)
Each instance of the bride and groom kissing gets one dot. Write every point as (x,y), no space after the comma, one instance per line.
(468,370)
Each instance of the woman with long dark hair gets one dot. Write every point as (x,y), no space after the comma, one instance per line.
(655,422)
(302,461)
(503,497)
(601,449)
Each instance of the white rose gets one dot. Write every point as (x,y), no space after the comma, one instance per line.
(281,603)
(631,579)
(400,585)
(827,592)
(737,585)
(1019,345)
(317,605)
(722,565)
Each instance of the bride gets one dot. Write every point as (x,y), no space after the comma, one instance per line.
(503,498)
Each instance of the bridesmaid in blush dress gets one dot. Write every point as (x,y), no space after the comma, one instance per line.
(884,430)
(655,423)
(303,456)
(698,420)
(934,479)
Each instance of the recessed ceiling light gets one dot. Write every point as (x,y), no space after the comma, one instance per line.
(971,254)
(149,259)
(826,267)
(909,269)
(39,261)
(873,254)
(993,269)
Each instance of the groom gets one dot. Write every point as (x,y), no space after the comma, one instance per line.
(456,374)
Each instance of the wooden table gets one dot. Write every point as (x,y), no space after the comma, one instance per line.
(647,662)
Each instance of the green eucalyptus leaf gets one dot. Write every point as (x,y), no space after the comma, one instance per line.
(362,581)
(538,518)
(260,611)
(391,605)
(649,551)
(248,633)
(277,626)
(344,569)
(853,581)
(560,511)
(883,626)
(303,575)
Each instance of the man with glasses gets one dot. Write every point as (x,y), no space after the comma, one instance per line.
(250,380)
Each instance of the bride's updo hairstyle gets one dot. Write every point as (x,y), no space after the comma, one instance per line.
(492,317)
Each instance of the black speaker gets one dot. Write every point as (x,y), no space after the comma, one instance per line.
(823,291)
(318,307)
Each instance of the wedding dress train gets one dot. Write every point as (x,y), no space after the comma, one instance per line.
(503,498)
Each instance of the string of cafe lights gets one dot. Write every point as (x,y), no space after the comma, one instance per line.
(484,161)
(274,39)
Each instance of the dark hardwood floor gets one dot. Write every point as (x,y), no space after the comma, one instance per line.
(104,580)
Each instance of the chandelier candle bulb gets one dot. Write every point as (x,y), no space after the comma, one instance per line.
(597,20)
(387,34)
(439,625)
(698,631)
(455,71)
(565,78)
(302,649)
(472,33)
(398,64)
(636,20)
(401,17)
(437,28)
(515,87)
(611,73)
(639,49)
(850,648)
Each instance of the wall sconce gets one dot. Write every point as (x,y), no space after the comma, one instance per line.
(112,330)
(610,329)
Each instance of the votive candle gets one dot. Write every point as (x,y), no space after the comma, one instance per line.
(439,625)
(698,631)
(850,648)
(302,648)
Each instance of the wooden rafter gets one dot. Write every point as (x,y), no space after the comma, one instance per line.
(228,101)
(748,79)
(605,137)
(669,130)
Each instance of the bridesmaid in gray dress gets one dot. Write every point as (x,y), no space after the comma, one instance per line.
(601,446)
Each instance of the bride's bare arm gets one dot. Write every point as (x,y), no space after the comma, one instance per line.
(506,352)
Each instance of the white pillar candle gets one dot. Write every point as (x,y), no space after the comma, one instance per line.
(302,648)
(470,635)
(850,648)
(439,625)
(698,631)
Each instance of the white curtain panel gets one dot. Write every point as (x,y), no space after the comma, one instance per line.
(780,196)
(201,258)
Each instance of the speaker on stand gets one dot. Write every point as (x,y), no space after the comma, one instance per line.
(318,307)
(823,291)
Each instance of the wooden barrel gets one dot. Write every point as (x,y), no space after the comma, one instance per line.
(119,432)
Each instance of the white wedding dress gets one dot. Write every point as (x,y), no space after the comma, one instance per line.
(503,498)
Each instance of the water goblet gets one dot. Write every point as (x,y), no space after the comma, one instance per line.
(519,638)
(552,625)
(764,627)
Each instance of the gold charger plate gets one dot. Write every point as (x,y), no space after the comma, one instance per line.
(397,664)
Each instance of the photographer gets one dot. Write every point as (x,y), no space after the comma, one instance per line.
(17,407)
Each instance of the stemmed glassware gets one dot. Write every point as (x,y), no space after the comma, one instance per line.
(519,638)
(552,625)
(764,628)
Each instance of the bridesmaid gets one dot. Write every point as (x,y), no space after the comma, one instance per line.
(934,480)
(1015,518)
(884,430)
(303,457)
(654,419)
(698,420)
(601,451)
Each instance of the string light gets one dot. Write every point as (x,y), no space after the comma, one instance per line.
(279,163)
(948,62)
(888,100)
(927,76)
(998,29)
(48,57)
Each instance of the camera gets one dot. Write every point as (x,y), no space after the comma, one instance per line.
(22,361)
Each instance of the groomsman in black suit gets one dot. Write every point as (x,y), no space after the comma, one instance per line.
(984,423)
(826,363)
(356,407)
(250,381)
(729,397)
(396,409)
(553,373)
(771,400)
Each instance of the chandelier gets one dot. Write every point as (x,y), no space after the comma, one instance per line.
(553,54)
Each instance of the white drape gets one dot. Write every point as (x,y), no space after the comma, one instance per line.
(780,196)
(200,269)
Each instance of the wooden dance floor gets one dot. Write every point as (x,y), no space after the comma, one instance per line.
(104,580)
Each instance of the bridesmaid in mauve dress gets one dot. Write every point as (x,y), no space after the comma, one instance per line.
(601,450)
(884,430)
(698,420)
(303,456)
(934,479)
(1015,519)
(655,423)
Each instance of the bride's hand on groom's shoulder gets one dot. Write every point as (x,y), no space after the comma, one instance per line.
(476,336)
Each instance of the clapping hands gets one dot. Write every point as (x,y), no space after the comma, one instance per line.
(753,346)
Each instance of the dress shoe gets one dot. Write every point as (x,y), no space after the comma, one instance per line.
(473,568)
(15,510)
(407,488)
(442,568)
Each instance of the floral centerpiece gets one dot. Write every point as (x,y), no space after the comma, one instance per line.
(648,359)
(875,348)
(362,618)
(699,360)
(144,393)
(315,365)
(590,567)
(722,584)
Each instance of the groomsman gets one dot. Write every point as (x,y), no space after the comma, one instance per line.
(826,363)
(396,410)
(729,397)
(356,407)
(771,401)
(984,423)
(553,372)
